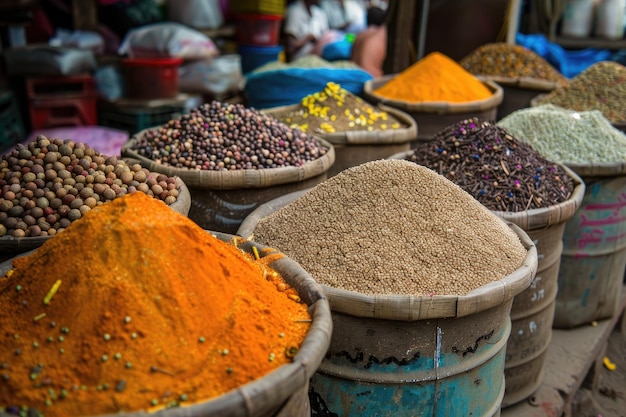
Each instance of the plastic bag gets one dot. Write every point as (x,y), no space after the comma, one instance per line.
(167,40)
(570,63)
(203,14)
(48,60)
(80,39)
(216,77)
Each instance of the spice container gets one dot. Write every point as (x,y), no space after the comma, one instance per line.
(594,248)
(496,168)
(436,92)
(520,72)
(358,131)
(49,183)
(232,158)
(600,87)
(406,336)
(141,332)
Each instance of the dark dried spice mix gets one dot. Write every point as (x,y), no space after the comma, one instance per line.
(501,172)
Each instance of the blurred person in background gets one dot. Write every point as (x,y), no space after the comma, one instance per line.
(370,46)
(305,24)
(345,15)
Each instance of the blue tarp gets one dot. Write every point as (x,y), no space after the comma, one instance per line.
(288,86)
(569,62)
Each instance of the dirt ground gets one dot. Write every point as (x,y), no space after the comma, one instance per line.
(610,399)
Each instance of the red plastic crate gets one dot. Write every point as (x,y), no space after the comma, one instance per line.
(151,78)
(56,87)
(47,113)
(258,29)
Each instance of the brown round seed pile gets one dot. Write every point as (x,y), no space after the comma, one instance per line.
(393,227)
(50,183)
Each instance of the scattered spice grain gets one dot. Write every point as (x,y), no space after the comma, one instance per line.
(601,87)
(435,77)
(568,136)
(393,227)
(500,171)
(511,61)
(335,109)
(139,258)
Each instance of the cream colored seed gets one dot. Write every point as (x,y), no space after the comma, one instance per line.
(393,227)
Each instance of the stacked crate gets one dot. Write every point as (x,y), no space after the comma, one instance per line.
(61,101)
(258,25)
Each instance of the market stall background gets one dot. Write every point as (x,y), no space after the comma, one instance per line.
(106,84)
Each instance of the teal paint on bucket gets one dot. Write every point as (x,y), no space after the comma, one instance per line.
(442,367)
(594,255)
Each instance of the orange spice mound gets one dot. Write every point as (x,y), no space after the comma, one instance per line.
(435,77)
(149,311)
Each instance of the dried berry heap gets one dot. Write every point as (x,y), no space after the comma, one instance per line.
(50,183)
(501,172)
(219,136)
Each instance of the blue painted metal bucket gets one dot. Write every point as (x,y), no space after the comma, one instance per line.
(594,251)
(439,367)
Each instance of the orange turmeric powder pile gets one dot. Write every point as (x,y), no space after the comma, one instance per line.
(435,78)
(135,307)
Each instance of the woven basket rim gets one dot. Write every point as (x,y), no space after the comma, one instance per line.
(438,107)
(237,179)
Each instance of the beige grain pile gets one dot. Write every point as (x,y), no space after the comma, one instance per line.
(393,227)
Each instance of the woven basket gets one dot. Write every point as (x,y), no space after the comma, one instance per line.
(236,179)
(402,336)
(409,308)
(220,200)
(284,391)
(10,246)
(355,147)
(432,116)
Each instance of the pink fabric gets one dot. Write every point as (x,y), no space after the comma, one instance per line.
(105,140)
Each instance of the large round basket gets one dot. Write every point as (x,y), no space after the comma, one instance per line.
(355,147)
(10,246)
(395,354)
(220,200)
(283,392)
(433,116)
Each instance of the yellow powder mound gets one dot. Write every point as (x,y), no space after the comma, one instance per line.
(435,78)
